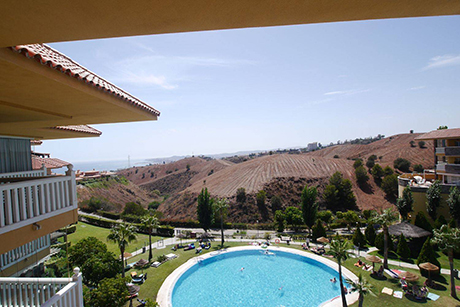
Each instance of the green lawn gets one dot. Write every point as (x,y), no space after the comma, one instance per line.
(86,230)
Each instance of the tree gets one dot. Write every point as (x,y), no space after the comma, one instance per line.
(276,203)
(433,199)
(377,172)
(132,208)
(280,221)
(427,254)
(404,204)
(403,249)
(339,192)
(220,211)
(100,266)
(187,167)
(454,204)
(361,175)
(388,171)
(418,168)
(325,216)
(318,230)
(241,195)
(79,252)
(309,205)
(442,127)
(260,198)
(370,163)
(339,249)
(362,286)
(293,217)
(358,163)
(358,238)
(350,217)
(441,220)
(149,223)
(385,219)
(370,234)
(402,164)
(422,222)
(412,143)
(110,292)
(204,209)
(390,186)
(421,144)
(122,234)
(448,240)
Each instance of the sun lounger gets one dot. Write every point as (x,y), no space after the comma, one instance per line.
(387,291)
(156,264)
(170,256)
(391,273)
(432,296)
(398,294)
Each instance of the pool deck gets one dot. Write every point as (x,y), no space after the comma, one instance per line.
(164,297)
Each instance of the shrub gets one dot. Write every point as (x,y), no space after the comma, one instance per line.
(325,216)
(377,172)
(388,171)
(161,258)
(69,230)
(241,195)
(370,234)
(336,156)
(358,238)
(418,168)
(427,254)
(421,144)
(361,175)
(134,209)
(154,205)
(358,163)
(370,163)
(109,215)
(403,249)
(412,143)
(402,164)
(441,220)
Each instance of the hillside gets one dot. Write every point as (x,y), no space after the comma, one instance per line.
(390,148)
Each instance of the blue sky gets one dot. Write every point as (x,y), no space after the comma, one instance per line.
(277,87)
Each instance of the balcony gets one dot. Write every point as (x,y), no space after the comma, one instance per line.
(24,251)
(30,197)
(448,168)
(452,151)
(44,292)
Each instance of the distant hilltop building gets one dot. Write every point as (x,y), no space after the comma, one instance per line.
(312,146)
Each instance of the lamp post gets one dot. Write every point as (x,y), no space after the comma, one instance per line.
(257,229)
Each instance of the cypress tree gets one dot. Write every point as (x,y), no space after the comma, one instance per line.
(403,249)
(370,234)
(427,254)
(422,222)
(204,209)
(358,238)
(318,230)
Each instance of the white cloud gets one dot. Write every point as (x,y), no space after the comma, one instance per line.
(443,61)
(416,88)
(347,92)
(147,79)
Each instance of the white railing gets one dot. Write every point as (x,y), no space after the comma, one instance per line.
(441,167)
(36,173)
(18,254)
(30,201)
(440,150)
(44,292)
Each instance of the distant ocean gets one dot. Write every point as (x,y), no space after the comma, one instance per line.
(105,165)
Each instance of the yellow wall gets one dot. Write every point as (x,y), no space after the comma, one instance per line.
(24,263)
(26,234)
(420,205)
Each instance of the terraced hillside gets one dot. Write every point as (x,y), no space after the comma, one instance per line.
(390,148)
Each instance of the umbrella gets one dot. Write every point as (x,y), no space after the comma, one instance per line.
(323,240)
(374,259)
(408,276)
(141,263)
(126,255)
(205,236)
(430,268)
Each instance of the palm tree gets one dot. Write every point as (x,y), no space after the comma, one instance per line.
(385,219)
(150,223)
(362,286)
(122,234)
(448,240)
(220,208)
(339,249)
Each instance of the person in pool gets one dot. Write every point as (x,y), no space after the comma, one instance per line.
(334,280)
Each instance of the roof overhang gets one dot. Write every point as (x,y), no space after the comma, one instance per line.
(41,89)
(443,134)
(27,21)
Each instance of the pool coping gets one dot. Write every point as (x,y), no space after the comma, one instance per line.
(164,297)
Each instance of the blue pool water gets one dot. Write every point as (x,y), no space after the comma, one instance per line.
(282,279)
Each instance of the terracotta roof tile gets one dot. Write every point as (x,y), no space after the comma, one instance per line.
(54,59)
(79,128)
(440,134)
(35,142)
(50,163)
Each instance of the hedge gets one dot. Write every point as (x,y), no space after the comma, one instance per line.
(61,245)
(109,215)
(69,230)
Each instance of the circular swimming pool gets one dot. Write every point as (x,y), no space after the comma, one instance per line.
(252,277)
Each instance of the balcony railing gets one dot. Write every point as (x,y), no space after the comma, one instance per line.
(441,150)
(24,202)
(26,174)
(449,151)
(44,292)
(25,251)
(448,168)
